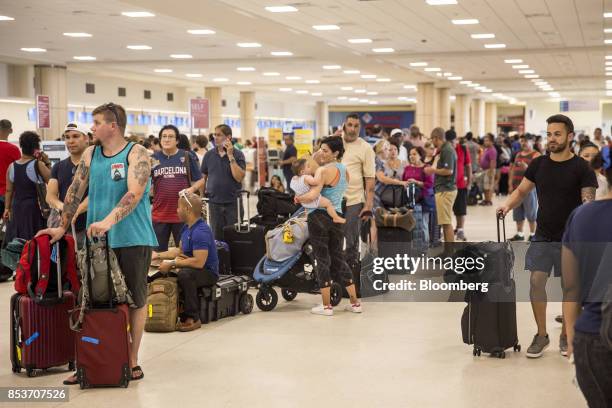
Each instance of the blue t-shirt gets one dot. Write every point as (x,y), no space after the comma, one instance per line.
(200,237)
(588,234)
(221,186)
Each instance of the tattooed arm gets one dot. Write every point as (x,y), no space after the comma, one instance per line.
(139,171)
(73,198)
(587,194)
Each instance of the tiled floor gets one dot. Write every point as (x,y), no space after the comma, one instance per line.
(393,355)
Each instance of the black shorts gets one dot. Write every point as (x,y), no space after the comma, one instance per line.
(134,263)
(543,256)
(460,205)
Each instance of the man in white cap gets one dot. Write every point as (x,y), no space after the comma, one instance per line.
(62,173)
(403,152)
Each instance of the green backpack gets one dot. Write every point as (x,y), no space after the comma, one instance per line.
(162,304)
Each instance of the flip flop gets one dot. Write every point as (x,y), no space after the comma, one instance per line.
(140,377)
(68,382)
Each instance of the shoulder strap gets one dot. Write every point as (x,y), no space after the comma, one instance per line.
(43,255)
(188,165)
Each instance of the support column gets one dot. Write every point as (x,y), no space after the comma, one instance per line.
(20,81)
(462,114)
(248,124)
(213,94)
(51,80)
(426,107)
(478,117)
(443,118)
(322,119)
(491,117)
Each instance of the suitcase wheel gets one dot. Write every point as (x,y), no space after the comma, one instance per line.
(30,372)
(266,298)
(125,379)
(498,354)
(81,378)
(336,293)
(476,351)
(71,366)
(246,303)
(288,294)
(517,348)
(16,369)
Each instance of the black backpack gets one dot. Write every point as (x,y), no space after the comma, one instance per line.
(271,203)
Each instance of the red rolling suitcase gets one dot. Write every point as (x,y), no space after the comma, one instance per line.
(103,344)
(246,241)
(40,331)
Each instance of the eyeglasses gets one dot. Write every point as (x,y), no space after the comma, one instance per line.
(183,195)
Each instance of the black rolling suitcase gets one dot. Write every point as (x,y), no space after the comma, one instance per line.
(489,319)
(246,242)
(226,298)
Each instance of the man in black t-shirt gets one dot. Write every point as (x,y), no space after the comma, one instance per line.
(289,157)
(563,181)
(62,173)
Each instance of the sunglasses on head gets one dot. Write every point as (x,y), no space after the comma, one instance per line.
(183,195)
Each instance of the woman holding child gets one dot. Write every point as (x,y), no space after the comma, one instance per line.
(326,236)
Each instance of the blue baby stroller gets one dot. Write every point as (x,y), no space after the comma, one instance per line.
(293,275)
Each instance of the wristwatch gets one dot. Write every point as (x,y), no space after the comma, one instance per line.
(232,160)
(173,264)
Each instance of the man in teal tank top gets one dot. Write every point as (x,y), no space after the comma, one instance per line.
(117,175)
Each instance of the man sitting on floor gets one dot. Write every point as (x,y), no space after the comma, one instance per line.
(195,258)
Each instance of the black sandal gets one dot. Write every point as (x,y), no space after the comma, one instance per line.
(68,382)
(139,377)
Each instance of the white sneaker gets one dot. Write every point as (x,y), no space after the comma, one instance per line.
(353,307)
(322,310)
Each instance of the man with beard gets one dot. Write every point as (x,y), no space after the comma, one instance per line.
(563,181)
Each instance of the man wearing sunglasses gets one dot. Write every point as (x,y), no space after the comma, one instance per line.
(195,259)
(117,174)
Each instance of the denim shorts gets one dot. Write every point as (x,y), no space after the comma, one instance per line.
(544,256)
(528,209)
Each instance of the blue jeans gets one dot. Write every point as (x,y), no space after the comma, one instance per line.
(221,215)
(163,231)
(593,369)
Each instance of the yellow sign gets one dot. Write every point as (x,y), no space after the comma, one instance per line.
(275,135)
(303,142)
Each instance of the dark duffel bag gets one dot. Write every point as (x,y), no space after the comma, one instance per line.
(272,203)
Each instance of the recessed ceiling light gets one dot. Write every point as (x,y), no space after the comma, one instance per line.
(285,89)
(495,46)
(281,53)
(220,80)
(440,2)
(455,78)
(531,76)
(368,76)
(372,93)
(351,71)
(554,94)
(608,93)
(353,99)
(201,31)
(243,83)
(361,91)
(465,21)
(301,91)
(526,71)
(433,69)
(33,49)
(78,35)
(465,82)
(373,102)
(474,85)
(137,14)
(513,61)
(162,70)
(332,67)
(383,50)
(317,94)
(608,62)
(418,64)
(248,45)
(84,58)
(607,30)
(313,81)
(607,15)
(487,90)
(139,47)
(482,36)
(271,73)
(281,9)
(609,57)
(523,66)
(193,75)
(608,68)
(447,74)
(293,78)
(342,98)
(360,41)
(383,80)
(181,56)
(346,88)
(245,69)
(364,100)
(6,18)
(410,87)
(608,41)
(326,27)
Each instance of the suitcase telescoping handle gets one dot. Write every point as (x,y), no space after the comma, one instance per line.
(502,220)
(108,268)
(239,224)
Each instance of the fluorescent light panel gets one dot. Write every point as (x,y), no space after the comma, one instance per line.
(360,40)
(33,49)
(245,69)
(418,64)
(313,81)
(201,31)
(163,70)
(493,46)
(6,18)
(441,2)
(281,53)
(139,47)
(84,58)
(351,71)
(524,66)
(330,67)
(326,27)
(482,36)
(383,50)
(271,74)
(526,71)
(248,45)
(433,69)
(137,14)
(281,9)
(465,21)
(78,35)
(181,56)
(193,75)
(513,61)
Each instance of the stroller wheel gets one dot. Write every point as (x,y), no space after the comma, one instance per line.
(266,299)
(336,293)
(288,294)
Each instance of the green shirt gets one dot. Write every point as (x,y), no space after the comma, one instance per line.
(447,160)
